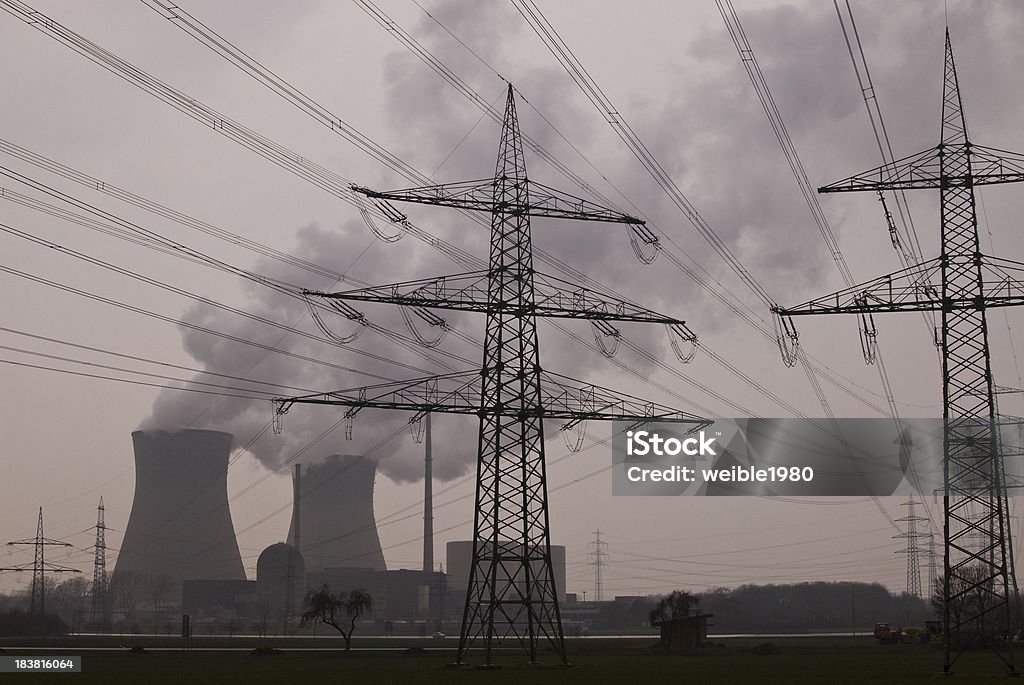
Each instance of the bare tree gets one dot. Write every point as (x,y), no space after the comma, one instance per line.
(973,592)
(673,606)
(158,588)
(326,607)
(67,599)
(125,589)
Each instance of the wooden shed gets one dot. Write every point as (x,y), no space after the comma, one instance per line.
(686,632)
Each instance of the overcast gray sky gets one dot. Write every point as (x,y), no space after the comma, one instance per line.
(672,72)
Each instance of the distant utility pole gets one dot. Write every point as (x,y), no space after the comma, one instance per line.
(100,613)
(39,568)
(913,549)
(599,562)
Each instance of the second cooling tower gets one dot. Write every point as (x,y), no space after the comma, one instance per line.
(180,525)
(338,528)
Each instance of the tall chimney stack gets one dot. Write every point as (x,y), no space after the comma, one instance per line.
(296,507)
(428,503)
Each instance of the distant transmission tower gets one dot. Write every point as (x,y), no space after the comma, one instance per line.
(100,612)
(933,574)
(913,549)
(962,284)
(40,567)
(600,561)
(511,592)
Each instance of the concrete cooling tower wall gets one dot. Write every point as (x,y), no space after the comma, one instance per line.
(180,525)
(338,528)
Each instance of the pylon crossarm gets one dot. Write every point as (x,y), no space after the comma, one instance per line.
(479,195)
(990,165)
(47,567)
(40,541)
(1003,281)
(553,298)
(465,291)
(576,401)
(912,289)
(558,298)
(454,393)
(54,568)
(561,398)
(920,170)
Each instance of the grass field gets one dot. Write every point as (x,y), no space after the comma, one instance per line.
(798,660)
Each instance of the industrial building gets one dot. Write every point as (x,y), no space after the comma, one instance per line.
(281,582)
(460,557)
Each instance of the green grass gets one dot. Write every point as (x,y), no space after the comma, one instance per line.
(802,660)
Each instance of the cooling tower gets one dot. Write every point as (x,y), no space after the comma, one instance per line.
(338,529)
(180,525)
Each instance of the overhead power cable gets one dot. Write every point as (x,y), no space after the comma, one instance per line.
(872,353)
(214,126)
(564,55)
(546,32)
(691,269)
(217,43)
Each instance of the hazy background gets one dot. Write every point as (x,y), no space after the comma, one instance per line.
(672,72)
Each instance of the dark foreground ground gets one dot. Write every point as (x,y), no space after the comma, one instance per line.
(630,661)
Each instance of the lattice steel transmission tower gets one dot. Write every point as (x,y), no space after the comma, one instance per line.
(600,561)
(913,548)
(933,574)
(99,614)
(511,593)
(40,567)
(962,283)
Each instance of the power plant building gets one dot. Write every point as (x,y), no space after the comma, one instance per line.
(281,581)
(460,559)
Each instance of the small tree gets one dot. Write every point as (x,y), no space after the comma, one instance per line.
(125,588)
(673,606)
(158,588)
(326,607)
(974,594)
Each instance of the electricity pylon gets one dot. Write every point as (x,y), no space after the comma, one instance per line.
(599,562)
(40,567)
(100,613)
(913,548)
(511,592)
(978,582)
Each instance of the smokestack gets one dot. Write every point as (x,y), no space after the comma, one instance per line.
(338,528)
(428,503)
(180,524)
(296,508)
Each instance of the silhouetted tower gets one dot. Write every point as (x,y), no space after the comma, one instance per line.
(100,613)
(962,283)
(511,593)
(913,548)
(428,499)
(297,507)
(600,561)
(933,574)
(40,567)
